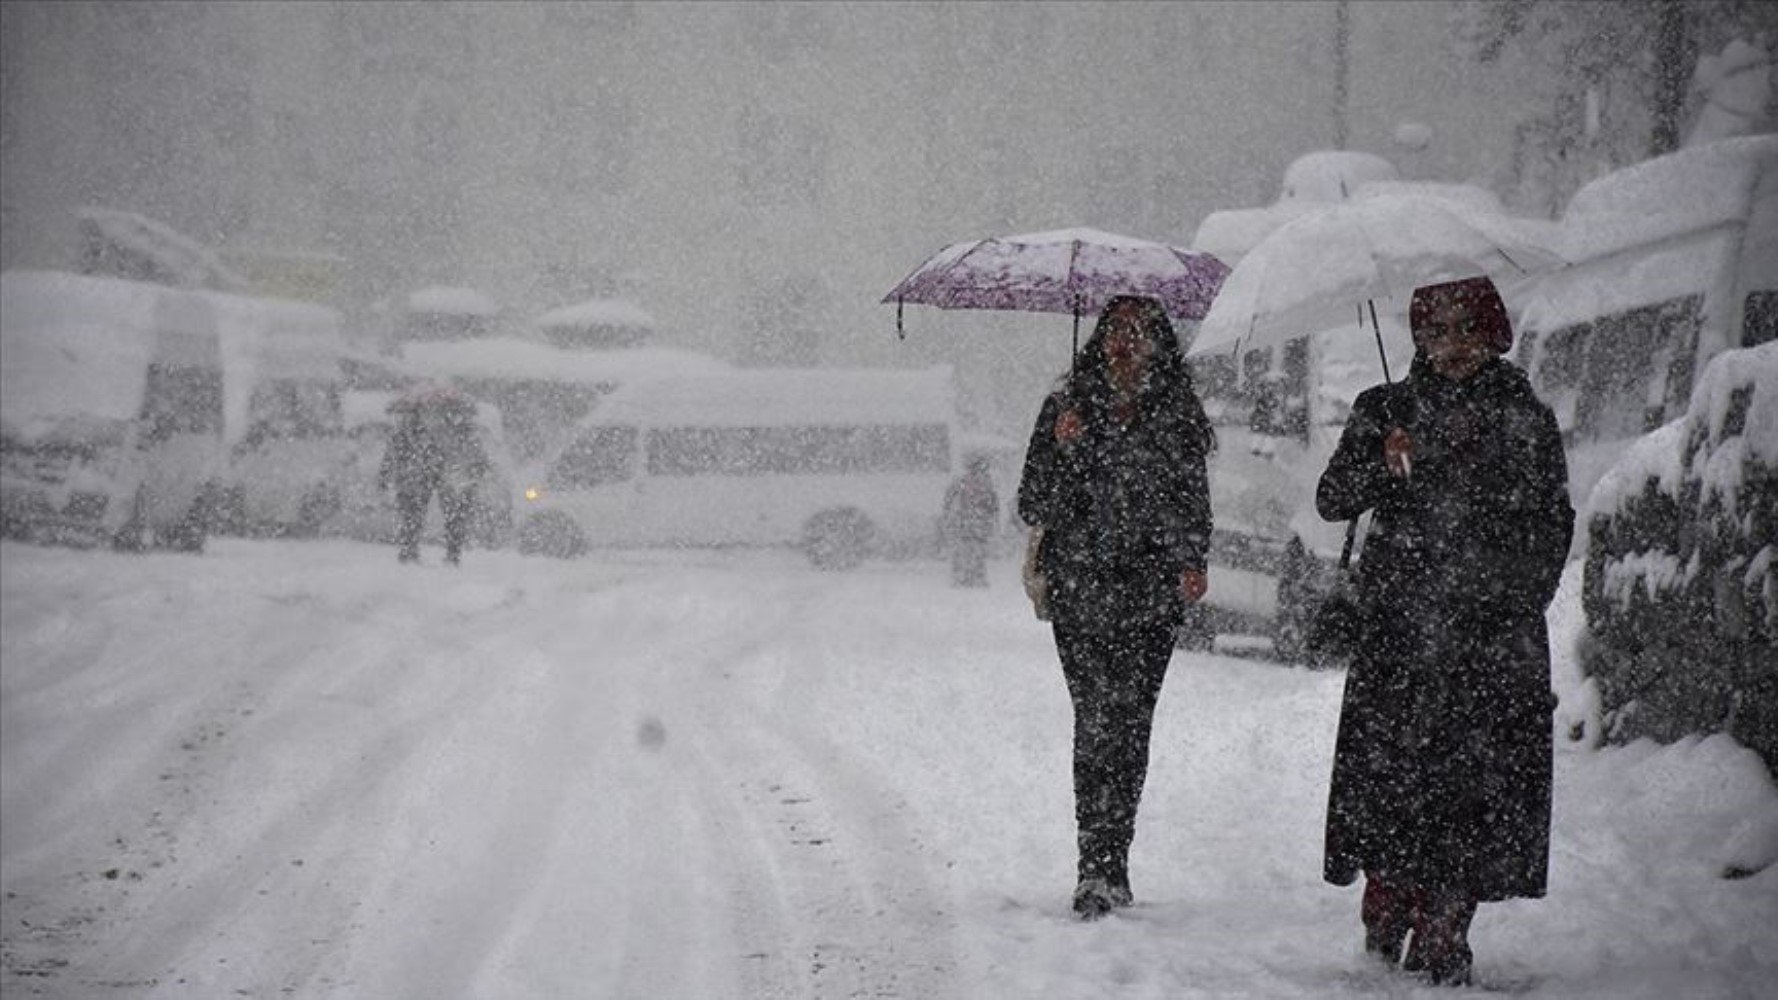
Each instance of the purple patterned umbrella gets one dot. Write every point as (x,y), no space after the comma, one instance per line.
(1064,271)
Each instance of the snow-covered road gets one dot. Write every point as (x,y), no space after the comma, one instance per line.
(302,770)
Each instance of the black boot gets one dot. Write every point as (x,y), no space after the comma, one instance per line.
(1440,946)
(1093,897)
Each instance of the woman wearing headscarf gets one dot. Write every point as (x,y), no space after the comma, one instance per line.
(1115,477)
(1441,783)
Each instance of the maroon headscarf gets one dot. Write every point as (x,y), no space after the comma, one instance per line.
(1478,297)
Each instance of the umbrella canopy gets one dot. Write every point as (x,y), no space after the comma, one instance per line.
(1063,271)
(1314,271)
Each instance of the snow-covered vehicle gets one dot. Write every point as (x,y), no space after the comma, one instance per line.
(543,390)
(445,313)
(111,410)
(1672,261)
(844,463)
(1680,590)
(288,447)
(366,512)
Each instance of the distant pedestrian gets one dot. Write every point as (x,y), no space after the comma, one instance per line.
(1115,476)
(971,511)
(1442,769)
(434,450)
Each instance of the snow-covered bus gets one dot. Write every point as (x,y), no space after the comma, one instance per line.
(111,410)
(1672,261)
(843,463)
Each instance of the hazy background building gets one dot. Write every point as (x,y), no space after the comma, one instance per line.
(754,175)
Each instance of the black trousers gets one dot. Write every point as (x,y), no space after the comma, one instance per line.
(1114,679)
(454,504)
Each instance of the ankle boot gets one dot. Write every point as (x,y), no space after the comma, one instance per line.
(1440,945)
(1389,911)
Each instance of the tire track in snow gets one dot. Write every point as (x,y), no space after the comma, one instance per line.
(823,846)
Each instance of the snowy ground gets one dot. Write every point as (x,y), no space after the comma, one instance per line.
(301,770)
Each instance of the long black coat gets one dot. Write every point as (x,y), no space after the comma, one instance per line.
(1441,771)
(1125,510)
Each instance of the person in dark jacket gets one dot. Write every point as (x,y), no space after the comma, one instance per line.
(1441,781)
(971,510)
(1115,476)
(434,450)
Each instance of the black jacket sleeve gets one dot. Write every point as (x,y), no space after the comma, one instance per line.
(1194,544)
(1548,529)
(1356,479)
(1040,481)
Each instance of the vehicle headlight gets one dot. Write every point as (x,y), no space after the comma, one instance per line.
(532,493)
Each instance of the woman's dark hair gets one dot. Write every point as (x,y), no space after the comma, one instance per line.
(1170,393)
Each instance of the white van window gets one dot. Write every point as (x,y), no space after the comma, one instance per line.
(294,408)
(601,456)
(1618,376)
(1631,363)
(182,400)
(756,451)
(1759,323)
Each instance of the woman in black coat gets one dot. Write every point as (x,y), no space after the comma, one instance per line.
(1442,769)
(1115,477)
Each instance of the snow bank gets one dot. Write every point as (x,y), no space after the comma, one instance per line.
(1699,446)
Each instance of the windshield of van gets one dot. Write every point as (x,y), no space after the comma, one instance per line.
(294,408)
(754,451)
(600,456)
(182,400)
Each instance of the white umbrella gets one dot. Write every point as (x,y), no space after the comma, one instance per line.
(1318,270)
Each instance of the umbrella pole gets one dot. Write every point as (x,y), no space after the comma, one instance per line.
(1076,350)
(1378,332)
(900,333)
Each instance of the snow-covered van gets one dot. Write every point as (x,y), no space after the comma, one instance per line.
(844,463)
(287,441)
(1672,261)
(111,411)
(542,390)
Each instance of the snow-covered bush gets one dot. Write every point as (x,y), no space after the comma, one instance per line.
(1680,593)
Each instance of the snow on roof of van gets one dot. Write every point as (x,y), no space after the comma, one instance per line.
(75,348)
(1328,176)
(449,301)
(599,312)
(1692,189)
(780,396)
(1471,196)
(515,358)
(1231,233)
(79,345)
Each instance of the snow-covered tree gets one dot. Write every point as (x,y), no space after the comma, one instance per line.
(1625,73)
